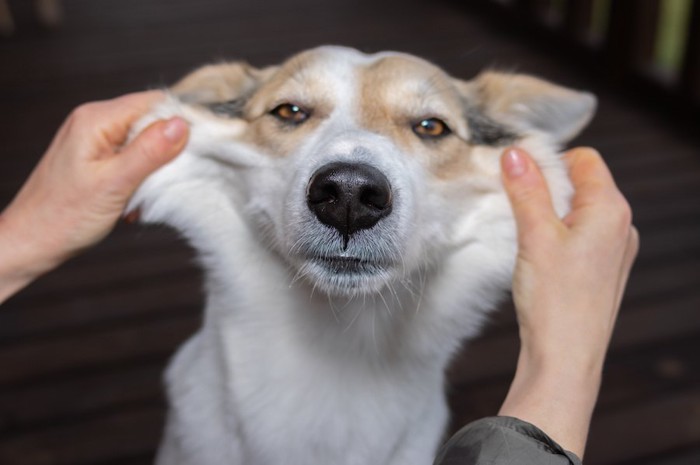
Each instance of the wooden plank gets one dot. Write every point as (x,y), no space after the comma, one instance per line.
(635,436)
(174,295)
(670,243)
(135,239)
(35,361)
(685,456)
(125,270)
(650,284)
(123,435)
(664,186)
(93,394)
(653,213)
(634,375)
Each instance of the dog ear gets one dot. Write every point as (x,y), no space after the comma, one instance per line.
(222,88)
(524,103)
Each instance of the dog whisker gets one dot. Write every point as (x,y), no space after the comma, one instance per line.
(330,304)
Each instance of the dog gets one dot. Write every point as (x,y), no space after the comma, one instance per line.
(349,215)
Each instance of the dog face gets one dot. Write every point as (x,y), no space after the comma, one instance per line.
(360,170)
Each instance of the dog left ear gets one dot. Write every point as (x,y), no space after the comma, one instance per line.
(222,88)
(524,103)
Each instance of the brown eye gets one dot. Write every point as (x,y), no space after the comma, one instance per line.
(290,113)
(431,128)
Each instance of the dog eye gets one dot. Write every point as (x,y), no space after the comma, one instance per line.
(290,113)
(431,128)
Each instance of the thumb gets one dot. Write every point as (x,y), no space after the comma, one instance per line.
(527,190)
(155,146)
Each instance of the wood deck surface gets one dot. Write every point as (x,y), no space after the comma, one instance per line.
(82,350)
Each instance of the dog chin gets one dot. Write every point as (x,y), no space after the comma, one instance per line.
(347,277)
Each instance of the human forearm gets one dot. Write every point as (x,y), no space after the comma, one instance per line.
(19,264)
(555,394)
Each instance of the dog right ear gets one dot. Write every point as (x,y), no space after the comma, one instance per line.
(524,103)
(223,88)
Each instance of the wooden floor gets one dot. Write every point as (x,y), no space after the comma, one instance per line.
(82,350)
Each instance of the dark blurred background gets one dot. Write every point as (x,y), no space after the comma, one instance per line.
(82,350)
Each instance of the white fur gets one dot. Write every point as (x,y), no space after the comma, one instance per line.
(284,370)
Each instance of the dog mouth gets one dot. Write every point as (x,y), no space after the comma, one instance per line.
(342,275)
(348,265)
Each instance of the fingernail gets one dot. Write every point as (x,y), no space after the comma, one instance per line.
(514,163)
(175,129)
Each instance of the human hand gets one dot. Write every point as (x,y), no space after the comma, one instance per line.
(81,185)
(567,287)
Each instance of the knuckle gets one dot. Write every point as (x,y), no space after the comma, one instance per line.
(620,215)
(536,234)
(83,114)
(624,210)
(634,240)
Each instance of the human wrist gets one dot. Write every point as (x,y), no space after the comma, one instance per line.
(546,358)
(555,394)
(570,379)
(21,259)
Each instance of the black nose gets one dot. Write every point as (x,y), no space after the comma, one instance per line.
(349,197)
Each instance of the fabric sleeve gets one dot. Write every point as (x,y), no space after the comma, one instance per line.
(503,441)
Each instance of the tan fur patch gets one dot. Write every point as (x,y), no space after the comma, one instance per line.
(220,83)
(504,91)
(297,83)
(397,92)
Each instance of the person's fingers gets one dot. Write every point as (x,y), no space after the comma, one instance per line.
(597,205)
(527,191)
(156,145)
(591,178)
(111,120)
(120,113)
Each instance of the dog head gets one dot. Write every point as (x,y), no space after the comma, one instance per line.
(357,170)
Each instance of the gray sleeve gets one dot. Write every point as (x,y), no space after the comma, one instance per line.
(503,441)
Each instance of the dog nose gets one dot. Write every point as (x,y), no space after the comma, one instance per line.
(349,197)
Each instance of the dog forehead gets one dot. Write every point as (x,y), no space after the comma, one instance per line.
(341,71)
(406,86)
(328,65)
(402,71)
